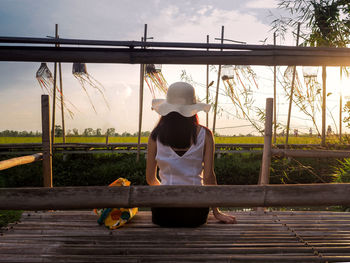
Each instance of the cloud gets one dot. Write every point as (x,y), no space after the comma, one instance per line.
(261,4)
(174,25)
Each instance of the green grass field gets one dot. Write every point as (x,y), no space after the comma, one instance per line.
(292,140)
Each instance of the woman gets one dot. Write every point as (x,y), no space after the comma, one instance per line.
(184,152)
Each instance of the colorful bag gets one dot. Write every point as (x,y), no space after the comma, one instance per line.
(114,218)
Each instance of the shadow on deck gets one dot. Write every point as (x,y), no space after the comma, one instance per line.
(74,236)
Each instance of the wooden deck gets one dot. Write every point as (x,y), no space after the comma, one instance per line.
(74,236)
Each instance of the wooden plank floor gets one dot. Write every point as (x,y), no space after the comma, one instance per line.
(74,236)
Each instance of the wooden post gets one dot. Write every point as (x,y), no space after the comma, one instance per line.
(266,159)
(217,85)
(341,105)
(207,95)
(291,93)
(142,75)
(54,94)
(46,141)
(274,97)
(62,104)
(324,96)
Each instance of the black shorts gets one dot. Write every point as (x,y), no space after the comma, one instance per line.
(180,216)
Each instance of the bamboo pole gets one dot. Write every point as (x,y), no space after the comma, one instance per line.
(207,94)
(303,57)
(46,141)
(291,93)
(133,44)
(54,94)
(341,106)
(175,196)
(311,153)
(324,96)
(274,97)
(266,159)
(218,84)
(20,161)
(62,103)
(142,75)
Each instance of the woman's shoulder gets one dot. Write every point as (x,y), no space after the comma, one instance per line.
(208,132)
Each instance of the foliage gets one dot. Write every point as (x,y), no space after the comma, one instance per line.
(343,171)
(11,133)
(240,83)
(78,170)
(9,216)
(326,22)
(102,169)
(238,168)
(302,170)
(309,98)
(347,111)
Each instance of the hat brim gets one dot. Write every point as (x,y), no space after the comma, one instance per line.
(163,108)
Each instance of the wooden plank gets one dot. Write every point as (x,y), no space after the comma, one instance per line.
(163,56)
(58,239)
(20,161)
(141,44)
(183,196)
(311,153)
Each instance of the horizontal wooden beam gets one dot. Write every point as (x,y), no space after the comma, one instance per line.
(311,153)
(155,44)
(20,161)
(163,56)
(177,196)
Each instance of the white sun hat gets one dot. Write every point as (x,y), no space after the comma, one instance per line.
(180,98)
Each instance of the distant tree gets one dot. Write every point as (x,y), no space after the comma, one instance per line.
(110,131)
(126,134)
(88,132)
(98,131)
(75,131)
(58,131)
(145,134)
(23,133)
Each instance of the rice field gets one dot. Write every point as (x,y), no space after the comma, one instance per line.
(247,140)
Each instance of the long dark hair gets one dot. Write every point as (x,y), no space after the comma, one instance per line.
(176,131)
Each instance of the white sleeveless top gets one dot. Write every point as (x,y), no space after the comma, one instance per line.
(181,170)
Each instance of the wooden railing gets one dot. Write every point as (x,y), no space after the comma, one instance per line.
(261,195)
(180,195)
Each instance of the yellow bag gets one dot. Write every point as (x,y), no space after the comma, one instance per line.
(114,218)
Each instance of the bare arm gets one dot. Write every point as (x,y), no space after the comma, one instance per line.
(151,164)
(209,177)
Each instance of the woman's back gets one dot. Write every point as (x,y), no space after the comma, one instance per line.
(186,169)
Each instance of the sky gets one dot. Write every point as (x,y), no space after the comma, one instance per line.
(171,21)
